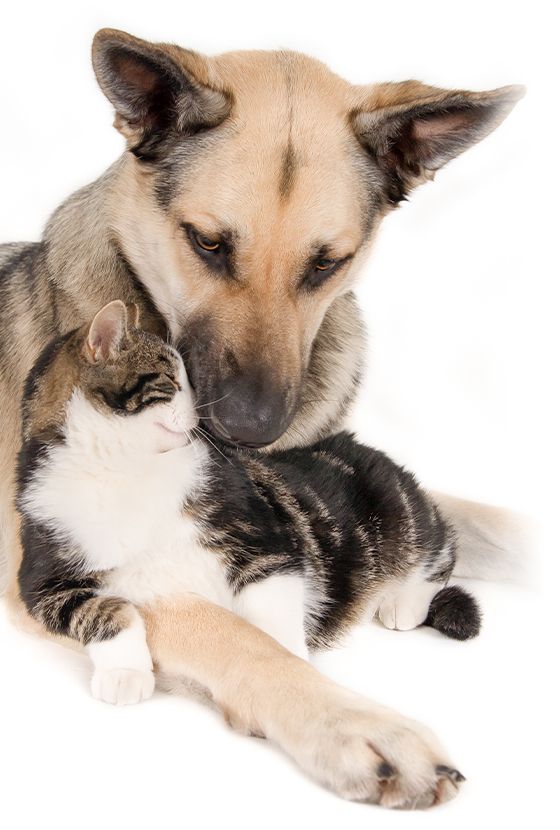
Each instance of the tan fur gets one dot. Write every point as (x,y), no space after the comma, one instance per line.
(285,173)
(493,543)
(334,735)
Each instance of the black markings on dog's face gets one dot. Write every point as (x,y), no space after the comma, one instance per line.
(277,148)
(288,170)
(183,155)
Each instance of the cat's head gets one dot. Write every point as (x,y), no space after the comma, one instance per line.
(114,380)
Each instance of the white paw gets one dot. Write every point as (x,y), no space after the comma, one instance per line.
(382,758)
(407,606)
(397,613)
(122,686)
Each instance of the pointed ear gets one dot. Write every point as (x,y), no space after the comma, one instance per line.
(412,130)
(133,315)
(106,333)
(157,90)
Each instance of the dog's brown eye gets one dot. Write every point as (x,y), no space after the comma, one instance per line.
(207,244)
(320,270)
(325,264)
(216,252)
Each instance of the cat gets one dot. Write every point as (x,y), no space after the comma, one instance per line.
(123,500)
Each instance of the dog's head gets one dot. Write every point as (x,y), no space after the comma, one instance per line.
(252,188)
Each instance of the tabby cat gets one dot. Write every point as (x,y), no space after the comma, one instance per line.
(123,500)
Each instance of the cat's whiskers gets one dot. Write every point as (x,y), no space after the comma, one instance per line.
(204,437)
(211,403)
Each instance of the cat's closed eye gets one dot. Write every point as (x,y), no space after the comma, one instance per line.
(146,389)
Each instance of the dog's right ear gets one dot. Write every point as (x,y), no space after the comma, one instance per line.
(411,130)
(158,90)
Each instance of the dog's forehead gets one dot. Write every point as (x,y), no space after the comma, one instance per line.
(261,181)
(284,162)
(254,202)
(273,78)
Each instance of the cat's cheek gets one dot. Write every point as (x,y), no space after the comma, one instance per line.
(167,439)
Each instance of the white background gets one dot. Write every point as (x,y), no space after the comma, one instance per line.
(460,303)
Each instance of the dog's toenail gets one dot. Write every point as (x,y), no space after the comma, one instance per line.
(448,772)
(386,771)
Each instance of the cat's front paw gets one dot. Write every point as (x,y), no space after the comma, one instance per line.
(122,686)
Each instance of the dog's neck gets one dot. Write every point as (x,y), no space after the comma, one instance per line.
(86,265)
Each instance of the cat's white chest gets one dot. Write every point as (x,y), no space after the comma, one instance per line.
(126,517)
(177,563)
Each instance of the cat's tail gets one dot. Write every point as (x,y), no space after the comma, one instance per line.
(492,543)
(455,613)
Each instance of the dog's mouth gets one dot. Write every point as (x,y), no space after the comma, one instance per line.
(217,429)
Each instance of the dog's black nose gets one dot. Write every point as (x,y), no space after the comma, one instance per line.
(250,412)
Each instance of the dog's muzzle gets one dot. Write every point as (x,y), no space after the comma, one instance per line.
(250,411)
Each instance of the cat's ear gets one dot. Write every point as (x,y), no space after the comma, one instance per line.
(133,315)
(411,130)
(107,332)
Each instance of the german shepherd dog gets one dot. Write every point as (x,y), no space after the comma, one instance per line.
(249,195)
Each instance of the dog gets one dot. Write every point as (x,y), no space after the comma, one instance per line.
(249,195)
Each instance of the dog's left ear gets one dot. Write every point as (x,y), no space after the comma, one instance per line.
(412,130)
(158,90)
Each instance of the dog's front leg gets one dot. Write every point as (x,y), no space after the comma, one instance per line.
(360,750)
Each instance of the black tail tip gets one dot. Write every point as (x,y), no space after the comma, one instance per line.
(455,613)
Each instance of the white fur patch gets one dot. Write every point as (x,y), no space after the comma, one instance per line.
(122,666)
(277,605)
(404,604)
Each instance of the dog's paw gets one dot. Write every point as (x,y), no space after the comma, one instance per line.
(122,686)
(382,758)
